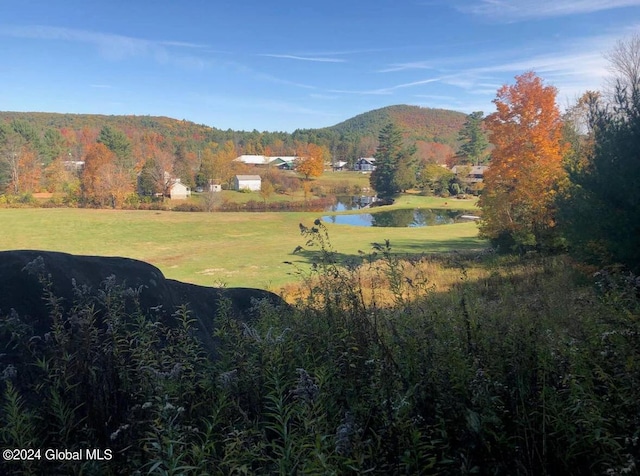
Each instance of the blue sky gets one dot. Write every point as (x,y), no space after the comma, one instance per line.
(283,65)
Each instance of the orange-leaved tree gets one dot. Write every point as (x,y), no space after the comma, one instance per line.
(311,160)
(525,171)
(104,182)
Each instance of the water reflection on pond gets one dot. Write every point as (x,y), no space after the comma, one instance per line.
(348,202)
(403,218)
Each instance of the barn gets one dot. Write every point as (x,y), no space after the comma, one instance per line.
(247,182)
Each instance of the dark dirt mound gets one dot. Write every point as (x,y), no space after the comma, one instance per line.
(21,289)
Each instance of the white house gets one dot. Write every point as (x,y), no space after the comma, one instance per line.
(365,164)
(247,182)
(178,190)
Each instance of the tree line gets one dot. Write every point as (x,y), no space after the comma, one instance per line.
(33,146)
(108,166)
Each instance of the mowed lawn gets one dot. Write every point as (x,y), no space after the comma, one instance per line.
(234,249)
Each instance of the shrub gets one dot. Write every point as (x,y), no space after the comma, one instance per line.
(518,368)
(188,207)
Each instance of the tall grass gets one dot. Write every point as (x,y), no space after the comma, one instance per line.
(517,366)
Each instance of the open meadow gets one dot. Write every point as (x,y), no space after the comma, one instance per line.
(234,249)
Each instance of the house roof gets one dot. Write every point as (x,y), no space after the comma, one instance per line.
(177,186)
(264,159)
(284,158)
(288,160)
(367,159)
(252,159)
(248,177)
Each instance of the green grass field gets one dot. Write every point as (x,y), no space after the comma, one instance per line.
(235,249)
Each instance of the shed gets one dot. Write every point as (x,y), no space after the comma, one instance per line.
(339,165)
(247,182)
(179,191)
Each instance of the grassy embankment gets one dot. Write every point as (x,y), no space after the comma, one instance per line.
(237,249)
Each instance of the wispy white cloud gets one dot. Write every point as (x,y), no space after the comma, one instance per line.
(573,64)
(318,59)
(355,51)
(111,46)
(362,92)
(407,66)
(387,90)
(182,44)
(514,10)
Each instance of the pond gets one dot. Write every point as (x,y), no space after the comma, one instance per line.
(348,202)
(403,218)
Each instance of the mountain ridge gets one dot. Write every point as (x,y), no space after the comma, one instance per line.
(408,118)
(434,131)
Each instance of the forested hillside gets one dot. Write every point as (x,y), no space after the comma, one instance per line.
(435,131)
(419,123)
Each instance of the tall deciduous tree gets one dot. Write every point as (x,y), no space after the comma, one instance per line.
(526,171)
(154,178)
(624,65)
(104,182)
(395,164)
(474,140)
(311,160)
(11,149)
(217,163)
(435,178)
(30,171)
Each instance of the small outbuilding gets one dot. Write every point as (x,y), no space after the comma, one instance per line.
(339,165)
(247,182)
(179,191)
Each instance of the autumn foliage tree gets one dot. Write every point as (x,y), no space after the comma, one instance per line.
(217,163)
(311,160)
(30,171)
(104,182)
(526,170)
